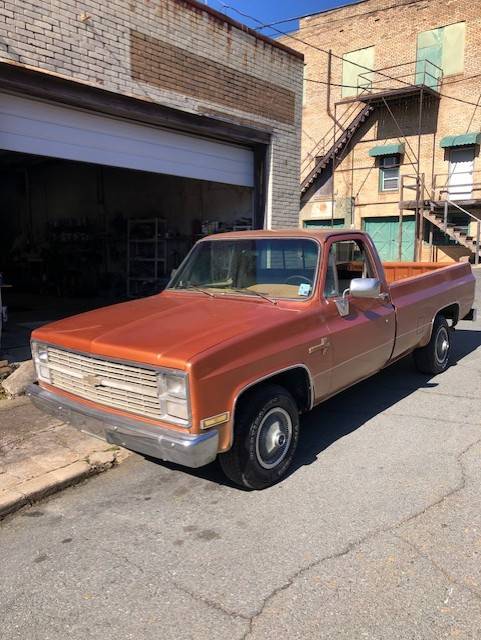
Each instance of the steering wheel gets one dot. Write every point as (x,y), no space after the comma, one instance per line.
(299,277)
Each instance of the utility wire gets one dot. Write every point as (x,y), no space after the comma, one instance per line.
(344,86)
(308,44)
(398,80)
(321,13)
(307,15)
(443,95)
(335,55)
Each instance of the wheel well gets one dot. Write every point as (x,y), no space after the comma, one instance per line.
(295,380)
(450,313)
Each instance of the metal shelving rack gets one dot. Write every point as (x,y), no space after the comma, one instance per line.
(146,256)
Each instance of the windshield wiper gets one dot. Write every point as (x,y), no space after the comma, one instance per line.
(250,292)
(195,287)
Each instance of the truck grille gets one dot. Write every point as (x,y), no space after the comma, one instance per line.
(122,386)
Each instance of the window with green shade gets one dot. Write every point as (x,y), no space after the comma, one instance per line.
(440,49)
(389,173)
(354,64)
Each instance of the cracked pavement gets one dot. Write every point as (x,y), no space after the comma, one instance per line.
(376,533)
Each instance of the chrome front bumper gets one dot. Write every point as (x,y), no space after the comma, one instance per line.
(173,446)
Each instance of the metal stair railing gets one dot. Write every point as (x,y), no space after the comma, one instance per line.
(447,204)
(329,138)
(334,144)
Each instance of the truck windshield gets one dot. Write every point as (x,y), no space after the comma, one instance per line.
(273,268)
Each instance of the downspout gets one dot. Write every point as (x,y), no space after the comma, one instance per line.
(328,95)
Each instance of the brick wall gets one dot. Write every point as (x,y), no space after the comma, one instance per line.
(392,28)
(176,53)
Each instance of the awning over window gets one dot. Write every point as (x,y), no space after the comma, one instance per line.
(463,140)
(386,150)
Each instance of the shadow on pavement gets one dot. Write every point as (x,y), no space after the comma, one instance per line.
(349,410)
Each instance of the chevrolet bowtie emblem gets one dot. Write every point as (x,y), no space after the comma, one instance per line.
(92,380)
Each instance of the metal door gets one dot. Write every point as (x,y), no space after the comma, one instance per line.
(461,165)
(385,234)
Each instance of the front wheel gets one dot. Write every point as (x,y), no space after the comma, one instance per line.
(266,433)
(434,357)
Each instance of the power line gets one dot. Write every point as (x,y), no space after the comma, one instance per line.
(360,66)
(309,15)
(476,75)
(344,86)
(351,86)
(308,44)
(321,13)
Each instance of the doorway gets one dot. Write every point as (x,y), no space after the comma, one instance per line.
(461,167)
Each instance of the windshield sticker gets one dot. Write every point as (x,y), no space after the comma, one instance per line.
(304,289)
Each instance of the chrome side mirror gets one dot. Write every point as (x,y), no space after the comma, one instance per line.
(365,288)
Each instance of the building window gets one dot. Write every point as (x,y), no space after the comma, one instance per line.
(389,173)
(355,71)
(440,49)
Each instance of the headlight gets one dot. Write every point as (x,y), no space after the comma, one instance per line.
(175,385)
(40,360)
(174,396)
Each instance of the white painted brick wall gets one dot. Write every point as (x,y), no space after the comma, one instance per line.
(49,35)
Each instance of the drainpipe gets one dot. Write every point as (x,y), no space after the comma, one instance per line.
(328,95)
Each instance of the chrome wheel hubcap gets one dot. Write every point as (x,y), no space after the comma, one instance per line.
(442,346)
(273,438)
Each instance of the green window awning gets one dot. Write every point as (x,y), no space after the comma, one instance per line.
(463,140)
(386,150)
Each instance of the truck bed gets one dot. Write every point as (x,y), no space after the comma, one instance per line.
(419,291)
(400,270)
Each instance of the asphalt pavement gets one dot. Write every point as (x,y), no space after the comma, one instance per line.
(375,534)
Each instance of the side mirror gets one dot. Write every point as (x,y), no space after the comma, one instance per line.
(365,288)
(173,272)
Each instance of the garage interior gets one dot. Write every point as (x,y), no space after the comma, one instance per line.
(77,236)
(79,233)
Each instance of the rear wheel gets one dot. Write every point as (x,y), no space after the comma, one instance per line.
(434,357)
(266,432)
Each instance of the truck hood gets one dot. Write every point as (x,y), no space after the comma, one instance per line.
(168,329)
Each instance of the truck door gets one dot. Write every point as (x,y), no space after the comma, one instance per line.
(363,340)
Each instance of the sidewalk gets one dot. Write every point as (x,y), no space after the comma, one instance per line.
(40,455)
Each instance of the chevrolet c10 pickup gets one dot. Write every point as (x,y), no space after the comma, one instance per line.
(254,329)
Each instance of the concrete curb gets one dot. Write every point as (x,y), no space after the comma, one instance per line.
(31,491)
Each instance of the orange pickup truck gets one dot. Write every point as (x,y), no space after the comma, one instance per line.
(254,329)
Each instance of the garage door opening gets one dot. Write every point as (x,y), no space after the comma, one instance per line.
(78,235)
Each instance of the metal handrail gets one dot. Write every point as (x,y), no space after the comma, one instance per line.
(439,189)
(418,186)
(438,77)
(329,136)
(447,204)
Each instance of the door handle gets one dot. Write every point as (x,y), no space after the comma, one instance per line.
(323,346)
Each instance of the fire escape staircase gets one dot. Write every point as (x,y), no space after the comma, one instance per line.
(438,215)
(335,141)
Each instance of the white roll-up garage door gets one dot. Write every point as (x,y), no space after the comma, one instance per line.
(46,129)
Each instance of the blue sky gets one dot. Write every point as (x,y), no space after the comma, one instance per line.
(271,10)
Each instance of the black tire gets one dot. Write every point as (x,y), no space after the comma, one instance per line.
(434,357)
(266,433)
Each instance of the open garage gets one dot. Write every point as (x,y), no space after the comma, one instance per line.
(125,136)
(97,209)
